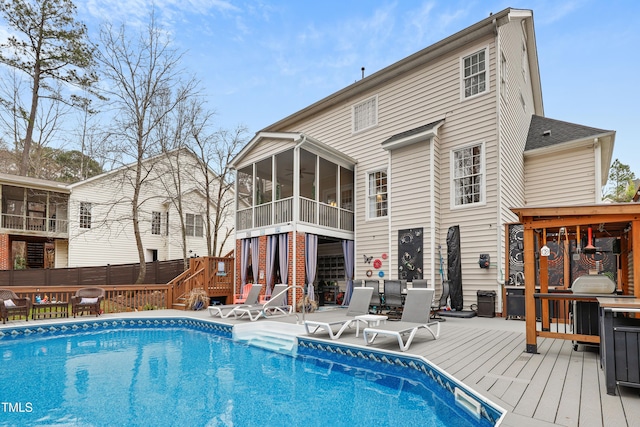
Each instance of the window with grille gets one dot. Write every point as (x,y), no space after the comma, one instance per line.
(474,74)
(85,215)
(365,114)
(193,225)
(468,175)
(377,194)
(155,222)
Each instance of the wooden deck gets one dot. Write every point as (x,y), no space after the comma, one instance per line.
(556,387)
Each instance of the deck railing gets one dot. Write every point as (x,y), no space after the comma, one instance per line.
(569,316)
(35,223)
(281,212)
(212,274)
(118,299)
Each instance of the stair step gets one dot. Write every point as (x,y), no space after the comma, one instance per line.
(271,341)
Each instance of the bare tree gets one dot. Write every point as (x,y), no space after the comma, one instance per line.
(47,45)
(216,152)
(146,83)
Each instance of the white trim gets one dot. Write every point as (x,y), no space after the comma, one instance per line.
(368,216)
(353,114)
(432,212)
(483,172)
(487,81)
(597,148)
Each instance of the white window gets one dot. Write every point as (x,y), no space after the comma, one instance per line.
(365,114)
(85,215)
(377,194)
(468,175)
(193,225)
(155,222)
(474,74)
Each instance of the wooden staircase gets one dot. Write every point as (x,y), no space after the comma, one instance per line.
(213,274)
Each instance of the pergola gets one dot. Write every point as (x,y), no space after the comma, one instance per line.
(620,220)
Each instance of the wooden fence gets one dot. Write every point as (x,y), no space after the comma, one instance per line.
(158,272)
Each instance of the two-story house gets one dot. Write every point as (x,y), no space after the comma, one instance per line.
(48,224)
(367,182)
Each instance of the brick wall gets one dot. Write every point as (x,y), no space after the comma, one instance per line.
(5,252)
(262,264)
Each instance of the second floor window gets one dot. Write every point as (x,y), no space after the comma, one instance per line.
(193,225)
(155,222)
(377,194)
(474,74)
(85,215)
(467,175)
(365,114)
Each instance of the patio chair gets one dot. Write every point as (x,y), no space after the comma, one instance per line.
(224,311)
(375,305)
(415,316)
(12,305)
(358,305)
(275,307)
(393,299)
(87,300)
(440,303)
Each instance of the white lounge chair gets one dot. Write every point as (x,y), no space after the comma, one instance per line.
(275,307)
(359,305)
(415,316)
(224,311)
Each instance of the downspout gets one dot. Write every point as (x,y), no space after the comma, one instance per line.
(432,211)
(597,148)
(296,213)
(499,225)
(389,196)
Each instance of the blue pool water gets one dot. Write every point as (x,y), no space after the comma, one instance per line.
(184,376)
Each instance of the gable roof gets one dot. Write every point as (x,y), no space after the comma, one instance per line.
(151,159)
(548,135)
(412,135)
(483,28)
(545,132)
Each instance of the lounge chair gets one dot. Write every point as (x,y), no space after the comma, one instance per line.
(242,296)
(224,311)
(415,316)
(419,283)
(87,300)
(12,305)
(358,305)
(275,307)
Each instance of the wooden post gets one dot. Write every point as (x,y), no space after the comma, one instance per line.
(635,247)
(544,285)
(530,289)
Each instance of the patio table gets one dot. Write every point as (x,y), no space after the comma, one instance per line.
(49,310)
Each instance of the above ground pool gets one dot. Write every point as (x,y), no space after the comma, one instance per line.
(191,373)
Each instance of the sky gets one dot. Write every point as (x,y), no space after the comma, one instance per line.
(260,60)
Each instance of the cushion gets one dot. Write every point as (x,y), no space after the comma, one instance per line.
(9,303)
(89,300)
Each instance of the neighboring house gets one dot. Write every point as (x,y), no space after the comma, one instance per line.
(89,223)
(453,135)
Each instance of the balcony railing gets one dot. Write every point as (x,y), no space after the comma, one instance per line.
(33,223)
(281,212)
